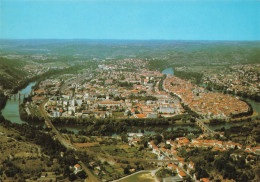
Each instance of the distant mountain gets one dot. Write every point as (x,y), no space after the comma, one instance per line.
(118,48)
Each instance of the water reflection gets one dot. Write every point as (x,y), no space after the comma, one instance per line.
(11,110)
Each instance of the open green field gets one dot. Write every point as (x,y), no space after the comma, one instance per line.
(126,152)
(118,114)
(143,177)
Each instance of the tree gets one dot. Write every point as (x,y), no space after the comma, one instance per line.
(129,113)
(145,142)
(167,146)
(66,170)
(12,171)
(244,177)
(124,138)
(219,164)
(82,174)
(158,139)
(126,170)
(187,179)
(72,177)
(185,167)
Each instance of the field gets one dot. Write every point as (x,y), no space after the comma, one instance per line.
(34,111)
(144,177)
(17,154)
(118,114)
(110,156)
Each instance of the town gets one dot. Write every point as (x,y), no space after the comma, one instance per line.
(129,90)
(126,119)
(110,94)
(115,93)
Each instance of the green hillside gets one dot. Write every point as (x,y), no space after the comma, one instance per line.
(11,72)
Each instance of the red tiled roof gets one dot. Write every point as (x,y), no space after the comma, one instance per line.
(77,165)
(205,180)
(182,174)
(141,115)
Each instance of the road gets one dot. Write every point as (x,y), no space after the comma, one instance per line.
(175,160)
(57,133)
(158,160)
(91,177)
(65,143)
(143,171)
(153,174)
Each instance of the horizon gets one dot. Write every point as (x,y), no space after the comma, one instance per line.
(146,40)
(218,20)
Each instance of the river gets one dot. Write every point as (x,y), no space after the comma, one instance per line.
(168,71)
(11,109)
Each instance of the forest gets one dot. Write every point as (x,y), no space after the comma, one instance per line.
(50,148)
(3,100)
(207,54)
(194,76)
(109,126)
(220,165)
(210,86)
(248,134)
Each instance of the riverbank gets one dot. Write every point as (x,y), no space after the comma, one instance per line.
(106,130)
(168,71)
(3,100)
(255,114)
(11,109)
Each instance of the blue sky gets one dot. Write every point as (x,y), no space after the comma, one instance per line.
(130,19)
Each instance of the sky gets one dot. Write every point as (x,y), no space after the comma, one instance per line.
(130,19)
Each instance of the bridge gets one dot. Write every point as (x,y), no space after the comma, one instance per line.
(17,96)
(204,127)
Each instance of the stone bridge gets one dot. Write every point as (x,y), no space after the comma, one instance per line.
(204,127)
(17,96)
